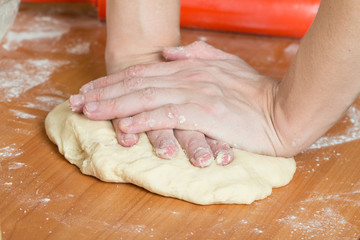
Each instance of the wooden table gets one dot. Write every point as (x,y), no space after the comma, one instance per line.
(49,53)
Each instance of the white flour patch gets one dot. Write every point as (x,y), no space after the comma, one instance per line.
(291,50)
(44,103)
(45,200)
(22,115)
(323,224)
(340,198)
(351,134)
(39,28)
(202,38)
(16,165)
(50,99)
(10,152)
(17,77)
(81,48)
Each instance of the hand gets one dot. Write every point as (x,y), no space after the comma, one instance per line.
(202,89)
(201,150)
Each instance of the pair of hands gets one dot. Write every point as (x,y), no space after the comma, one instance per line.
(205,98)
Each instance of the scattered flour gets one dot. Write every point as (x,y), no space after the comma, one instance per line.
(80,48)
(45,200)
(291,50)
(22,115)
(39,28)
(339,198)
(45,103)
(16,77)
(10,152)
(202,38)
(351,134)
(16,165)
(323,224)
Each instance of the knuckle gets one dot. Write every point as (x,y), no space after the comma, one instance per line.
(190,62)
(216,108)
(144,118)
(109,107)
(195,143)
(95,95)
(172,111)
(104,81)
(196,76)
(132,83)
(133,71)
(112,104)
(148,94)
(211,89)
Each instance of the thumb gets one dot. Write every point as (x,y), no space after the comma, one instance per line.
(197,50)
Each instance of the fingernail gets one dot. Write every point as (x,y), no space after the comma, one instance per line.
(167,150)
(202,157)
(87,87)
(77,99)
(129,140)
(91,107)
(76,102)
(223,158)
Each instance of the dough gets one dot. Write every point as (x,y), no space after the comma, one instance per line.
(92,146)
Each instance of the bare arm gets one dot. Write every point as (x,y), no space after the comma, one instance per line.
(138,30)
(324,79)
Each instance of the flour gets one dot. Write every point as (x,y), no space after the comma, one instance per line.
(22,115)
(10,151)
(16,165)
(351,134)
(291,50)
(338,198)
(16,77)
(46,103)
(45,200)
(80,48)
(40,28)
(323,224)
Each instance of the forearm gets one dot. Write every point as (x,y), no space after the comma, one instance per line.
(138,30)
(324,78)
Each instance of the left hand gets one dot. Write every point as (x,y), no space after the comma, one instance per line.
(200,149)
(205,90)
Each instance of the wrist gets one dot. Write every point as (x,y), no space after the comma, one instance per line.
(119,60)
(297,128)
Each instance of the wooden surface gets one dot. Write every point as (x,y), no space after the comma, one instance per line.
(50,52)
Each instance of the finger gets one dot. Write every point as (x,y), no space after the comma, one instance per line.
(135,71)
(196,147)
(140,101)
(130,72)
(222,151)
(197,50)
(164,143)
(167,117)
(124,139)
(125,86)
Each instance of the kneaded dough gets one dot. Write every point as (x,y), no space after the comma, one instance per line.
(92,146)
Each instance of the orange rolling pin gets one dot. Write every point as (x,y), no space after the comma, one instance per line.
(289,18)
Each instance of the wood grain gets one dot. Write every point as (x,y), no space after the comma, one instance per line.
(45,197)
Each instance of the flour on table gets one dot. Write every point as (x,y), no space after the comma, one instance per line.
(92,146)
